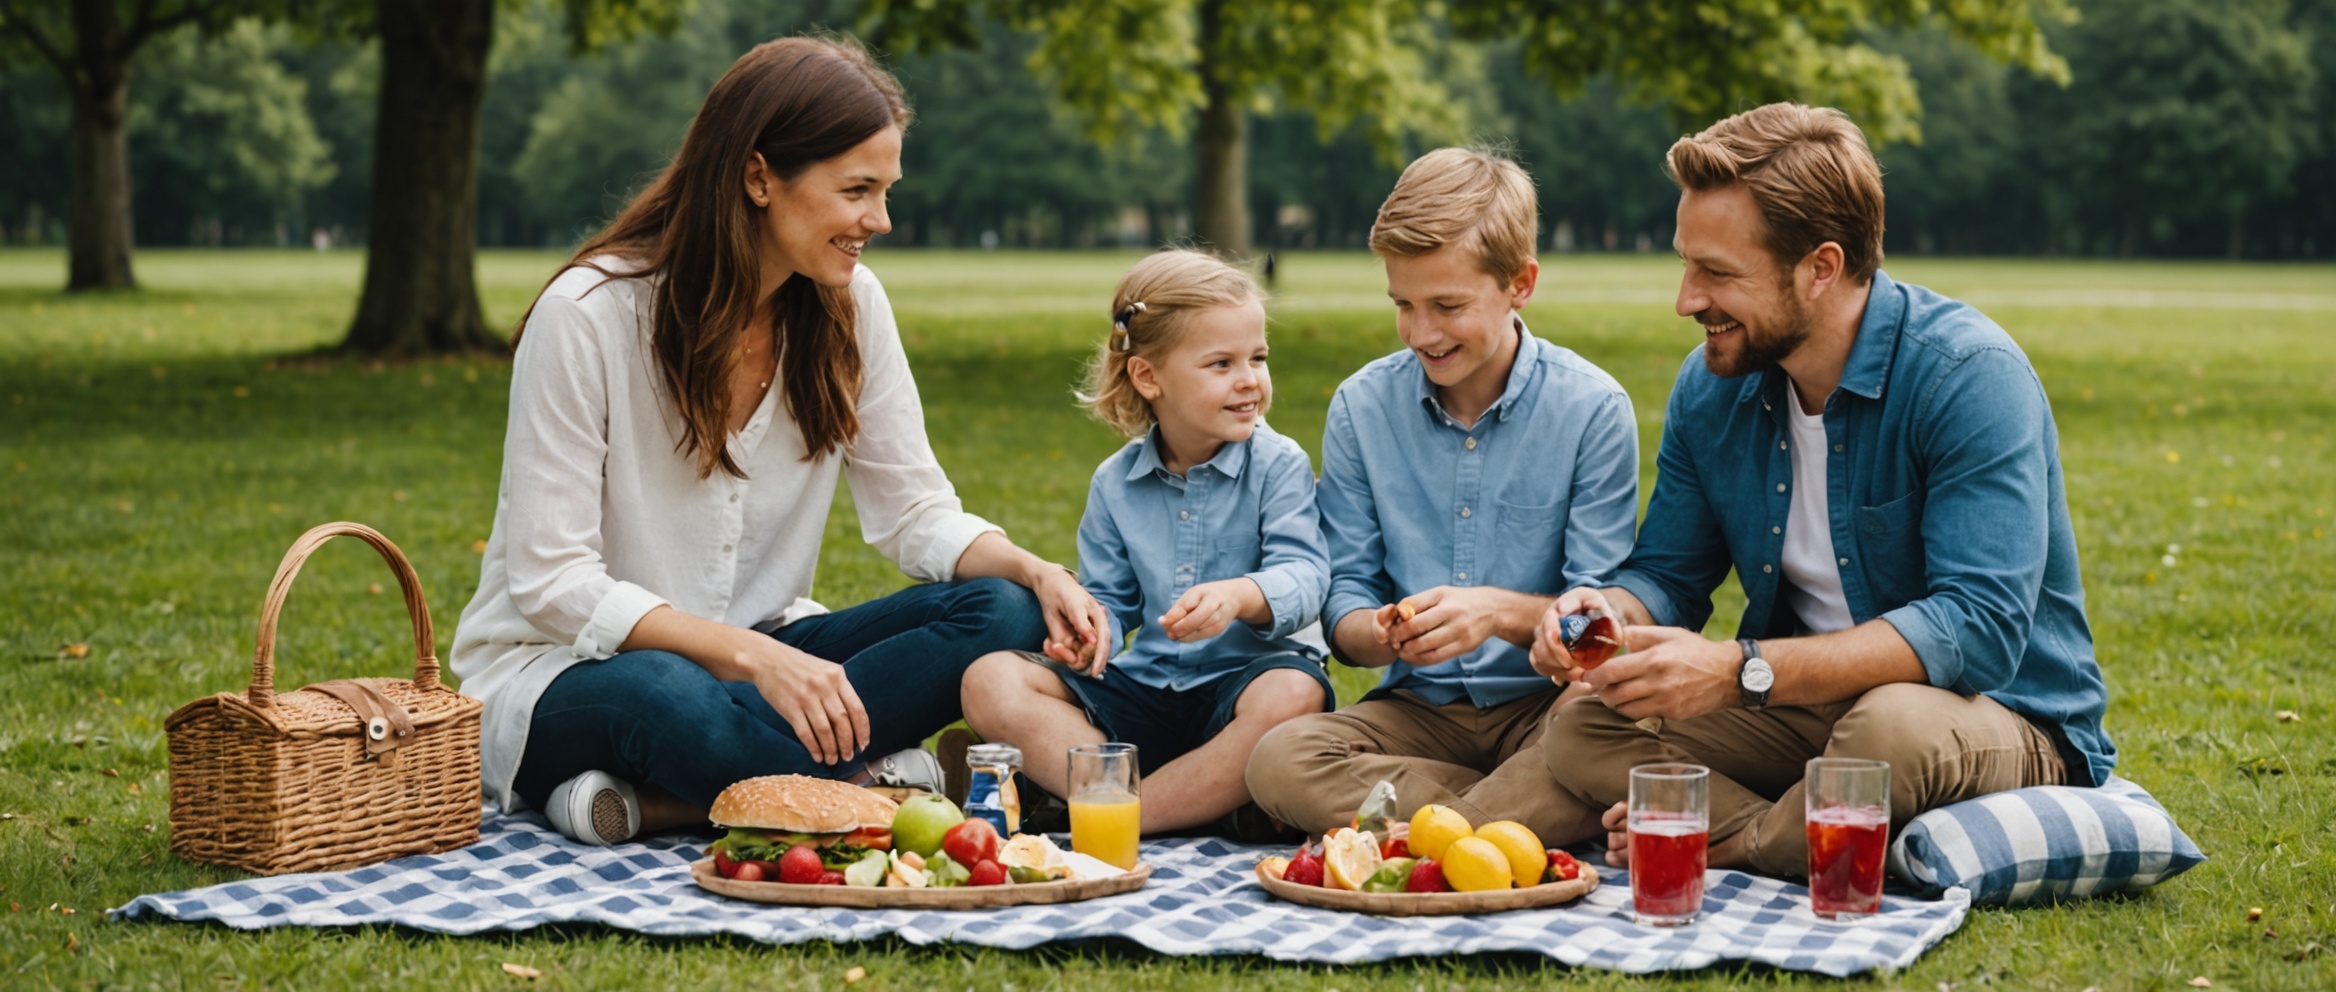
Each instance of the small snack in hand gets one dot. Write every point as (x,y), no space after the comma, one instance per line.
(1405,610)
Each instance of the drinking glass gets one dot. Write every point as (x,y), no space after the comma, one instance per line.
(1670,833)
(1106,802)
(1848,806)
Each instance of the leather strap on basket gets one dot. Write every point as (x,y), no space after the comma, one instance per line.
(262,692)
(381,721)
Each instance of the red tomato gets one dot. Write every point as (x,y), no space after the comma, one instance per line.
(1398,848)
(872,838)
(1563,867)
(831,878)
(985,872)
(723,866)
(750,871)
(971,842)
(800,865)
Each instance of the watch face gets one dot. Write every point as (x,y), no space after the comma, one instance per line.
(1758,677)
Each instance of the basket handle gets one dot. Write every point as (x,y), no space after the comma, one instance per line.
(263,663)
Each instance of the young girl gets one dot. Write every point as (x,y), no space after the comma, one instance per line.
(1200,535)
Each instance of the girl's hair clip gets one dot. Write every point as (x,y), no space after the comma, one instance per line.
(1120,341)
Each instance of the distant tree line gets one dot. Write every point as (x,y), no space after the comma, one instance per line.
(2186,128)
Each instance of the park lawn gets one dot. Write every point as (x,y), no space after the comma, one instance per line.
(160,449)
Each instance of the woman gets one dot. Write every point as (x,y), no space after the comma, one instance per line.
(683,397)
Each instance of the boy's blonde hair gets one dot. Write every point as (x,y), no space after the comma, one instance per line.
(1472,196)
(1149,311)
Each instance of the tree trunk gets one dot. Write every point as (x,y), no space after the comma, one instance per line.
(1223,147)
(420,295)
(98,246)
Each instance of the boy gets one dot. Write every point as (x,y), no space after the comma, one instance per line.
(1466,481)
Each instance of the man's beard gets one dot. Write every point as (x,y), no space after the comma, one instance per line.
(1759,354)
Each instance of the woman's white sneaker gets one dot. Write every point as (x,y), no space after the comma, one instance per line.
(595,808)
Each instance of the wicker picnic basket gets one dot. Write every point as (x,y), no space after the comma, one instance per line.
(337,775)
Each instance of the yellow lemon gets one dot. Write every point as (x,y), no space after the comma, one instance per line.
(1527,858)
(1473,864)
(1434,828)
(1349,856)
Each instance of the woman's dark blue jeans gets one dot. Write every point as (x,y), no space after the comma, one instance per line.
(656,718)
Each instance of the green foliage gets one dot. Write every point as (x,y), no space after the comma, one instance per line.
(157,454)
(1706,59)
(221,128)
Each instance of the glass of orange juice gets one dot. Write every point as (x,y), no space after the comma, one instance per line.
(1106,805)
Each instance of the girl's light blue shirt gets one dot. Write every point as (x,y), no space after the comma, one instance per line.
(1149,535)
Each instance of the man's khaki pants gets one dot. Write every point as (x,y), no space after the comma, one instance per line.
(1314,771)
(1942,748)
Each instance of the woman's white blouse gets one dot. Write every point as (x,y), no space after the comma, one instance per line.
(600,518)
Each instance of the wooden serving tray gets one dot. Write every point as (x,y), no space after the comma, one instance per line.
(1433,903)
(885,897)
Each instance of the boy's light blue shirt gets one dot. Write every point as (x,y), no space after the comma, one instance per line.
(1539,496)
(1945,498)
(1149,535)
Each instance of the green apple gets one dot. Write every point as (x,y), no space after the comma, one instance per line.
(922,822)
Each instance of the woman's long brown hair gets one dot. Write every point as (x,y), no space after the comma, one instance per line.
(797,101)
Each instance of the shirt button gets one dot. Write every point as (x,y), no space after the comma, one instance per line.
(1776,530)
(1767,568)
(734,497)
(1780,446)
(1837,447)
(1845,561)
(726,549)
(1780,487)
(1471,444)
(1463,576)
(1184,514)
(1463,513)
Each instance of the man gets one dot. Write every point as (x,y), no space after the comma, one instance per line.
(1465,481)
(1879,466)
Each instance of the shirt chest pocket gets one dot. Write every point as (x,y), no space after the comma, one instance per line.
(1528,547)
(1889,540)
(1233,557)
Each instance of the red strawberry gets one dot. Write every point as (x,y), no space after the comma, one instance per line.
(1426,876)
(986,873)
(723,865)
(800,865)
(831,878)
(1562,867)
(1305,869)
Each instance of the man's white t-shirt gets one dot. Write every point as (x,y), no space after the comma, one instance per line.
(1812,573)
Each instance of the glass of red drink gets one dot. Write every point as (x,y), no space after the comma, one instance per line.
(1670,833)
(1848,808)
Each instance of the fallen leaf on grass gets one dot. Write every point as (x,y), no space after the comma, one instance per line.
(373,589)
(478,547)
(73,650)
(109,773)
(72,943)
(521,971)
(136,788)
(853,976)
(2201,982)
(2286,716)
(2254,913)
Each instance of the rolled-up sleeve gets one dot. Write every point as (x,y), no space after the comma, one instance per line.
(908,510)
(1986,522)
(1682,553)
(553,452)
(1350,523)
(1604,511)
(1294,570)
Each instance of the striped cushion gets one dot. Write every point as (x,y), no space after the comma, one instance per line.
(2045,843)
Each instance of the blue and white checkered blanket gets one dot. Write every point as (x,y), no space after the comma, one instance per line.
(1202,899)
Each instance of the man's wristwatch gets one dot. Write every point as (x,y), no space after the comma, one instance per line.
(1754,679)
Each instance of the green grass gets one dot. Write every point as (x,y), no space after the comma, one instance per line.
(158,450)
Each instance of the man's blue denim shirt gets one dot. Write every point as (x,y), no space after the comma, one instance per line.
(1149,535)
(1538,496)
(1947,507)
